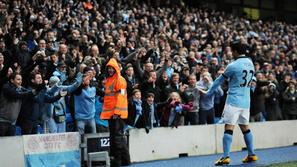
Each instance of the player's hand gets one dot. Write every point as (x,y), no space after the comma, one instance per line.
(221,71)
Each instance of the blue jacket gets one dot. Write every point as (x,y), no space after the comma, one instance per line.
(60,105)
(98,107)
(207,100)
(84,104)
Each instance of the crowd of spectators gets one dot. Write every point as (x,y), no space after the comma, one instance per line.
(53,56)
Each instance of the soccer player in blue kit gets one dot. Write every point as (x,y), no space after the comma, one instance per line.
(239,75)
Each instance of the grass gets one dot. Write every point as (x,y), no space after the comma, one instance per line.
(288,164)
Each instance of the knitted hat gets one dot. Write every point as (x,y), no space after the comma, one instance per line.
(53,80)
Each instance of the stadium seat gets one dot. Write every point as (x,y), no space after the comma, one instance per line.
(98,156)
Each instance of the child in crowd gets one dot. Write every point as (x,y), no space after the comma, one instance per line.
(173,115)
(136,117)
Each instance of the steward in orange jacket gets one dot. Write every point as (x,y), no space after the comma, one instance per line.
(115,98)
(115,109)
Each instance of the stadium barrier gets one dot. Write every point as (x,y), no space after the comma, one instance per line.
(167,143)
(160,143)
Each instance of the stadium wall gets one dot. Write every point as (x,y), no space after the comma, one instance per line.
(166,143)
(12,151)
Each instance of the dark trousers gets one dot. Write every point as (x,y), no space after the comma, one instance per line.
(7,129)
(206,116)
(101,129)
(28,127)
(119,152)
(192,118)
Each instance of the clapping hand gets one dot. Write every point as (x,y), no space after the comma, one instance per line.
(183,87)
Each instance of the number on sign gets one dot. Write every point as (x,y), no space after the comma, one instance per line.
(104,142)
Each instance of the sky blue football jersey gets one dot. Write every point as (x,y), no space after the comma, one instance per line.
(239,74)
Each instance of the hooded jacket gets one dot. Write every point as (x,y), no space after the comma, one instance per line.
(115,98)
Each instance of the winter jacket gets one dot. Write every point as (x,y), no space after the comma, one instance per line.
(115,98)
(11,101)
(33,106)
(290,102)
(134,112)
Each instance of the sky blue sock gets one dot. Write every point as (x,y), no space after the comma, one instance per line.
(248,138)
(227,140)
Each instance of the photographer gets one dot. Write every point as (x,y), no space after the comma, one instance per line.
(290,101)
(272,103)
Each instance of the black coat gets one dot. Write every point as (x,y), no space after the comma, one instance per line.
(147,87)
(130,84)
(290,102)
(258,98)
(24,58)
(272,105)
(147,110)
(33,106)
(142,120)
(11,101)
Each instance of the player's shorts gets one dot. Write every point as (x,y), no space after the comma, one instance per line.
(234,115)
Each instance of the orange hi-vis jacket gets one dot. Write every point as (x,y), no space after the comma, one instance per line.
(115,98)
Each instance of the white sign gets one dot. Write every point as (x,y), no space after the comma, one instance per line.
(51,143)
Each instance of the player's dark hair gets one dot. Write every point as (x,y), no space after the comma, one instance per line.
(239,47)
